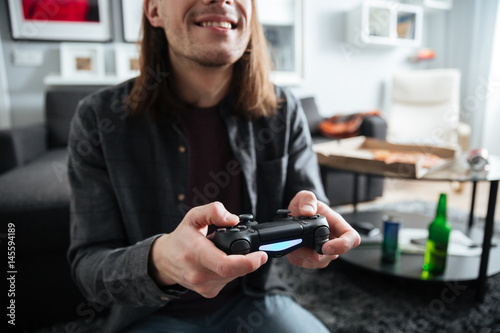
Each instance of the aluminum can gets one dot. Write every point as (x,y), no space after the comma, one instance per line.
(390,248)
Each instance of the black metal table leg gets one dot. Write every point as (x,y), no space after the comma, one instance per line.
(488,233)
(355,197)
(472,204)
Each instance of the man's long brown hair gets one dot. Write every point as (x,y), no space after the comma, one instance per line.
(252,94)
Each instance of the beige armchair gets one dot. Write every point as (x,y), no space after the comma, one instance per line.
(425,109)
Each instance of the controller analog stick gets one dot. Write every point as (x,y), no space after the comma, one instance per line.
(244,218)
(240,247)
(321,236)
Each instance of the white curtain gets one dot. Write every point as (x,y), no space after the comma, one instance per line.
(470,48)
(492,117)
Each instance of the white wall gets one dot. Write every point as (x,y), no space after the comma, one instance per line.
(4,94)
(25,83)
(491,137)
(343,77)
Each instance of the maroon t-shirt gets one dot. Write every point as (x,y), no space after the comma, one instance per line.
(214,175)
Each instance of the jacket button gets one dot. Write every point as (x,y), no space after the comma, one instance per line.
(182,149)
(181,197)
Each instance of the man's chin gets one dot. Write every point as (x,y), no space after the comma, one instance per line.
(217,58)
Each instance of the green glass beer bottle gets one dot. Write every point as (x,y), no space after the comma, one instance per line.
(437,244)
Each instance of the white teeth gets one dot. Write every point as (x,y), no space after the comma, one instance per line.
(225,25)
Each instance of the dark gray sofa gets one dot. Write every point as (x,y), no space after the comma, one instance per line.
(339,185)
(34,196)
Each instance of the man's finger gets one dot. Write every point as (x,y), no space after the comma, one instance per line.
(304,203)
(214,213)
(341,245)
(228,266)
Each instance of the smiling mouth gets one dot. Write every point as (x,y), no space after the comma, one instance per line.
(217,24)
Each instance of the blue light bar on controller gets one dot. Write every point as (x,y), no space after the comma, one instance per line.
(280,246)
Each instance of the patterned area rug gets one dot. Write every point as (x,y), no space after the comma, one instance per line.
(349,299)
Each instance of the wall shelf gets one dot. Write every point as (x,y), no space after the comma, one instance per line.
(385,23)
(57,80)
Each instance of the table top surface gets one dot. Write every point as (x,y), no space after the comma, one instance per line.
(459,171)
(458,268)
(455,170)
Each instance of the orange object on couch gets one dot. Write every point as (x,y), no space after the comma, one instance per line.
(345,126)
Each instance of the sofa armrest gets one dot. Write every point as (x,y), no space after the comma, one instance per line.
(21,145)
(374,127)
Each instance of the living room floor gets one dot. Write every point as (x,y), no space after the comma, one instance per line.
(459,195)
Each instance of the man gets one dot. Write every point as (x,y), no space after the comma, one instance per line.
(203,135)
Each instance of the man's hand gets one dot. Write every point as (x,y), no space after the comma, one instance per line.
(342,236)
(186,257)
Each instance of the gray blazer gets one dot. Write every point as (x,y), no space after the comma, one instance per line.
(127,177)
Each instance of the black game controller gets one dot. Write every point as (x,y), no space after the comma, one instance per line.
(278,238)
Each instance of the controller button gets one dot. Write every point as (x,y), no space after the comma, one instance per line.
(240,247)
(315,217)
(242,227)
(234,229)
(221,230)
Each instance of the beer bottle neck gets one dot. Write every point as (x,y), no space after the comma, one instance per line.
(441,209)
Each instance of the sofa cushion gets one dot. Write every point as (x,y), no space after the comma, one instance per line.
(312,115)
(60,106)
(35,197)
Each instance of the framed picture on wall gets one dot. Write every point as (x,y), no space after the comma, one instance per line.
(283,26)
(127,61)
(61,20)
(132,20)
(82,60)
